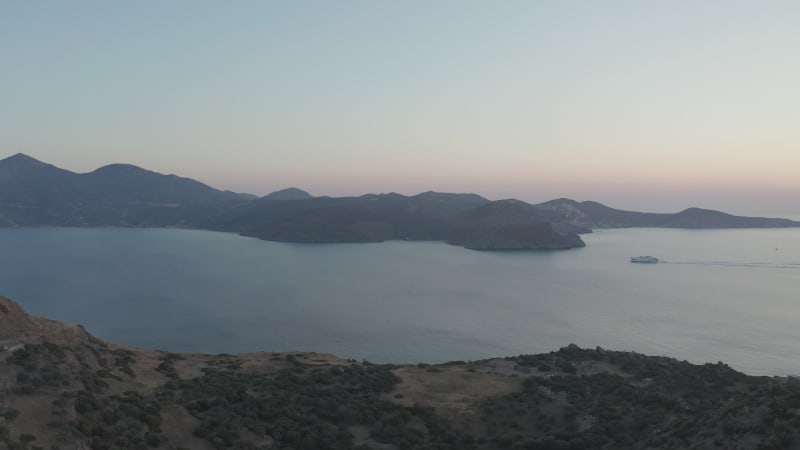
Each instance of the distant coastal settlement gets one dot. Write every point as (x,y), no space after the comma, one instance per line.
(34,193)
(60,387)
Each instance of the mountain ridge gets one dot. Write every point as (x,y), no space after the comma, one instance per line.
(290,193)
(593,214)
(33,193)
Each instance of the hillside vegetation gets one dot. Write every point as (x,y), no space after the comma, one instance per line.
(61,388)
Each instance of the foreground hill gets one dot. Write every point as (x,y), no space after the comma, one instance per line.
(62,388)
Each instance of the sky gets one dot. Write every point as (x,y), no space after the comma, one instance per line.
(653,106)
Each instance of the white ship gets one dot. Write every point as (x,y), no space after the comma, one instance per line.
(644,259)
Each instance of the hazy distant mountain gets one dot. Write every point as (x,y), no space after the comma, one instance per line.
(35,193)
(125,182)
(595,215)
(26,181)
(288,194)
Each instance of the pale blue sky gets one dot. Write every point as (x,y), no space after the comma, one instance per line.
(648,105)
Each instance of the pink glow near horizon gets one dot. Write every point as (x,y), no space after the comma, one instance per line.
(639,105)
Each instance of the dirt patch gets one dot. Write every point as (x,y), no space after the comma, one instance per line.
(450,388)
(190,366)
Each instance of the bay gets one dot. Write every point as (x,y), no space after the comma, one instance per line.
(719,295)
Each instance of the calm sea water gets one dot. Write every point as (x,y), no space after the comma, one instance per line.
(729,295)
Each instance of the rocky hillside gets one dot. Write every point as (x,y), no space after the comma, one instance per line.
(61,388)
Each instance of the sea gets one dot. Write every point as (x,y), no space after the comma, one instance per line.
(728,295)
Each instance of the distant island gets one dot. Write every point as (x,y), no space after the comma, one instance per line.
(60,387)
(34,193)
